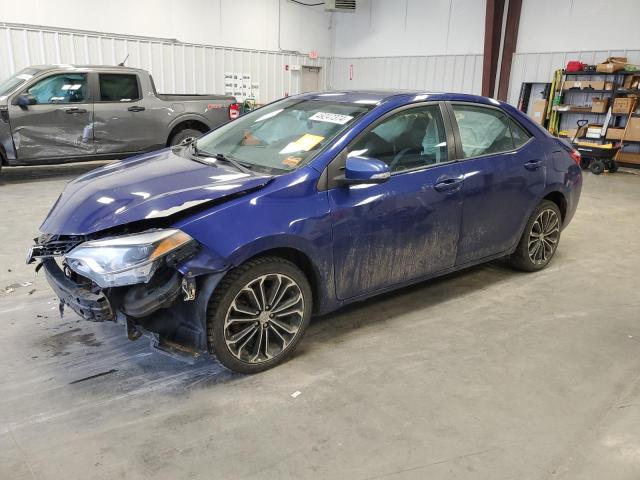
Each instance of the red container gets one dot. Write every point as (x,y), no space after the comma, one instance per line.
(575,66)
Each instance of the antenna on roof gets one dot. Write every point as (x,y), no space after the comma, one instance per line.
(121,64)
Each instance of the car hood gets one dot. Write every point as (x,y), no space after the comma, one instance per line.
(150,186)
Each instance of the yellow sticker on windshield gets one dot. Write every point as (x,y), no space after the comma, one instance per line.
(303,144)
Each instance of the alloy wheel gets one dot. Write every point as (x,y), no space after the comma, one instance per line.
(544,236)
(264,318)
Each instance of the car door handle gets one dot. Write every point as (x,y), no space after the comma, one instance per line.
(136,109)
(73,110)
(533,164)
(448,185)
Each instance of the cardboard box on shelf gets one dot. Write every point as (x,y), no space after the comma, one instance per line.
(594,130)
(599,105)
(538,110)
(631,82)
(633,129)
(608,85)
(622,105)
(583,84)
(612,65)
(615,133)
(628,157)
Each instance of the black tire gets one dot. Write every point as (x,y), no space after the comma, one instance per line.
(522,258)
(613,166)
(596,167)
(182,134)
(229,293)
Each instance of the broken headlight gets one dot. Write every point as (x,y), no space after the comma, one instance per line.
(124,260)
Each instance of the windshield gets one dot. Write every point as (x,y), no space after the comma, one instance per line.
(281,136)
(9,84)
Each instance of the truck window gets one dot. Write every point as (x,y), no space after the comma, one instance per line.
(116,87)
(61,88)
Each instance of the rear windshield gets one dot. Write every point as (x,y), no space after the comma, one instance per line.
(284,135)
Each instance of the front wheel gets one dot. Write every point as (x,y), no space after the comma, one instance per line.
(258,314)
(539,240)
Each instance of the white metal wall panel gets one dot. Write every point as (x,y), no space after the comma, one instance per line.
(539,67)
(453,73)
(176,67)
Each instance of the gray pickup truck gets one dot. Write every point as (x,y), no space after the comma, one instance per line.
(65,113)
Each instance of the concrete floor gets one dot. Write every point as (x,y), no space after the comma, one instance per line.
(485,374)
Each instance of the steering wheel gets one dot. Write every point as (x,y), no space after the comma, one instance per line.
(393,166)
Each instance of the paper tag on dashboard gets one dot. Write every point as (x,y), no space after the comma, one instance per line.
(305,143)
(330,118)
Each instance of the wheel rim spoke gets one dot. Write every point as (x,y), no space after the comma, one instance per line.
(543,237)
(273,306)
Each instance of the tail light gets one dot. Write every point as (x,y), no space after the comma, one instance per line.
(576,156)
(234,111)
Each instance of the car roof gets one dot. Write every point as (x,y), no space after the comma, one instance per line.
(376,97)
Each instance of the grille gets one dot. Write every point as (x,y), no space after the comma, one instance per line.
(56,245)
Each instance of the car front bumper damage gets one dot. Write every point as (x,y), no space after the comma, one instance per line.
(170,309)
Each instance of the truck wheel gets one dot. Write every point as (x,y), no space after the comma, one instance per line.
(539,240)
(182,134)
(258,314)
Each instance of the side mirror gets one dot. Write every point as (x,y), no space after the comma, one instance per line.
(365,170)
(25,99)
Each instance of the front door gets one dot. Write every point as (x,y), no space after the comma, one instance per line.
(406,228)
(60,124)
(504,175)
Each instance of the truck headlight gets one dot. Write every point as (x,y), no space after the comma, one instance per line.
(124,260)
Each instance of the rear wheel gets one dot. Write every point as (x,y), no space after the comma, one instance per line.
(182,134)
(258,314)
(613,166)
(540,238)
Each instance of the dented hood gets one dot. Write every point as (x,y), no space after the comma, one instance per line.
(150,186)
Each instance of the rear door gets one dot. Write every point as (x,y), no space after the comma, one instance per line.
(407,227)
(60,124)
(123,123)
(504,176)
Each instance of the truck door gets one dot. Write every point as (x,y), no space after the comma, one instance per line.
(124,121)
(59,124)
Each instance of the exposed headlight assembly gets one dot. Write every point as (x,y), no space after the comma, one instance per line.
(124,260)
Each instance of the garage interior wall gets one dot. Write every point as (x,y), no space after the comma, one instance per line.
(176,67)
(435,45)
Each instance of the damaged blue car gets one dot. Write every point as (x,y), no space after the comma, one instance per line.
(229,243)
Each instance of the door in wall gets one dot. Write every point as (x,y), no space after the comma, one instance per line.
(310,79)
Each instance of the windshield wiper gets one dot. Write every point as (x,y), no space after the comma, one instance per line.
(218,156)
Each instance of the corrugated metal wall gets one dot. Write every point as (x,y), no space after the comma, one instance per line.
(453,73)
(539,67)
(176,67)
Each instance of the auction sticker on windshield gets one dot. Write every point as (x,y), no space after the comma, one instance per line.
(330,118)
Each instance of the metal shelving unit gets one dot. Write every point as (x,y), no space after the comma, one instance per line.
(614,119)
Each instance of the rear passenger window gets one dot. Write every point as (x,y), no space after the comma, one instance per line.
(520,135)
(116,87)
(483,131)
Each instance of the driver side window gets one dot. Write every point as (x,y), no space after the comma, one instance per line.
(61,88)
(409,139)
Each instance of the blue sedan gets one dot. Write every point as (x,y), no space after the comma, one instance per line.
(229,243)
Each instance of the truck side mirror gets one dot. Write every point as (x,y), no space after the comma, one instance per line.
(25,99)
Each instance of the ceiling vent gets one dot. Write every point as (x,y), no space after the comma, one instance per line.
(344,6)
